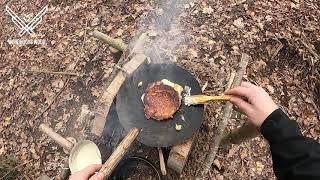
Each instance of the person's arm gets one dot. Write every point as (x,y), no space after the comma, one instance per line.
(294,156)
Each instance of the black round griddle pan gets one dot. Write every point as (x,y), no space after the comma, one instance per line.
(155,133)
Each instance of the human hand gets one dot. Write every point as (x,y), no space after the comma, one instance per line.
(253,101)
(87,173)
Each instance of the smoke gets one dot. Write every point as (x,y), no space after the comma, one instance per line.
(164,30)
(165,33)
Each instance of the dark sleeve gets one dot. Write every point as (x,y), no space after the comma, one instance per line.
(294,156)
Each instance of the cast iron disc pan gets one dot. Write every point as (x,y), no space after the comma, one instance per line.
(155,133)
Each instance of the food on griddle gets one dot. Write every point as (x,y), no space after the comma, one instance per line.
(176,87)
(161,101)
(178,127)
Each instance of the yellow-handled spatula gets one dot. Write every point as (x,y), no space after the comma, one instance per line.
(202,99)
(193,99)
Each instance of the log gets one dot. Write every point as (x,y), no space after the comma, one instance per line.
(119,152)
(115,43)
(115,85)
(130,60)
(67,145)
(225,117)
(134,48)
(112,90)
(179,154)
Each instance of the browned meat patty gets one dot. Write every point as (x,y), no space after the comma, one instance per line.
(160,101)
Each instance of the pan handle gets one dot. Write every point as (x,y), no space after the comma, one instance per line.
(120,151)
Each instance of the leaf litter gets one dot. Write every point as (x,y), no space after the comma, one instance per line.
(282,37)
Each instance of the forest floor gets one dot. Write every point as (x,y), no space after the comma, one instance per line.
(205,37)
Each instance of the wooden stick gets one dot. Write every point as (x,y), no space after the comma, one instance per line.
(130,60)
(311,50)
(279,47)
(134,48)
(115,43)
(120,151)
(162,163)
(50,72)
(225,117)
(53,100)
(67,145)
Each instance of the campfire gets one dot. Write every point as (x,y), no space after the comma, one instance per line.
(125,88)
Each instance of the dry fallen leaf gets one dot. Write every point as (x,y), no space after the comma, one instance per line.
(2,151)
(269,18)
(232,151)
(95,22)
(217,163)
(270,89)
(259,167)
(207,10)
(58,83)
(243,154)
(109,27)
(119,32)
(193,53)
(66,60)
(238,23)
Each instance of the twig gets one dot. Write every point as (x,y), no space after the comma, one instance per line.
(68,79)
(316,108)
(53,100)
(225,117)
(311,50)
(204,86)
(279,47)
(50,72)
(115,43)
(14,169)
(193,8)
(162,163)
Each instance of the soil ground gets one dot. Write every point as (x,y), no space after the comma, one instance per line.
(282,37)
